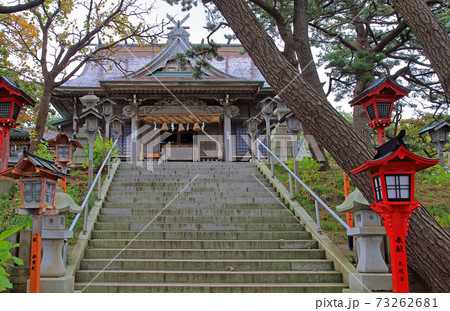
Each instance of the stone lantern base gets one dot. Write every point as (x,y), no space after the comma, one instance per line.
(370,282)
(64,284)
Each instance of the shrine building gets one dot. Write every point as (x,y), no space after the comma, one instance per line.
(155,97)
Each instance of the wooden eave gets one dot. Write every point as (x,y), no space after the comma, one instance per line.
(400,155)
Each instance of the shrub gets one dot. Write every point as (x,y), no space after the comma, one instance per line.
(101,150)
(5,256)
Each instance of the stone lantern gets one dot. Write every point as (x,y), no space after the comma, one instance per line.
(392,173)
(266,106)
(295,128)
(280,139)
(252,128)
(108,111)
(93,119)
(12,100)
(54,235)
(439,137)
(117,126)
(369,234)
(378,101)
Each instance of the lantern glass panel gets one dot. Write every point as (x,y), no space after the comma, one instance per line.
(63,152)
(398,187)
(371,112)
(5,110)
(377,188)
(32,191)
(384,110)
(16,111)
(49,192)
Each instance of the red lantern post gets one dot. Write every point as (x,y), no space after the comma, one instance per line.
(378,100)
(392,173)
(12,100)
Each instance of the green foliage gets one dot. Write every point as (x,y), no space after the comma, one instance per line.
(5,257)
(43,151)
(101,150)
(419,144)
(438,176)
(308,169)
(9,202)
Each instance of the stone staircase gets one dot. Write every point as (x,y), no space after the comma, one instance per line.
(225,232)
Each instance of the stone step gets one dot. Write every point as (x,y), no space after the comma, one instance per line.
(195,205)
(200,227)
(230,189)
(203,244)
(172,184)
(202,235)
(99,253)
(183,171)
(163,219)
(195,199)
(187,179)
(187,175)
(111,287)
(187,194)
(207,265)
(187,166)
(167,277)
(180,211)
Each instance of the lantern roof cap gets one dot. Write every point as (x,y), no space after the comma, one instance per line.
(375,88)
(39,162)
(93,112)
(436,126)
(252,119)
(395,150)
(355,201)
(65,204)
(106,100)
(64,136)
(268,99)
(12,87)
(288,115)
(116,118)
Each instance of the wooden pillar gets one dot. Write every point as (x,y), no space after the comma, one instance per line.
(4,148)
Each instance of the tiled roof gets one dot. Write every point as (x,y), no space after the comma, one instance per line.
(133,59)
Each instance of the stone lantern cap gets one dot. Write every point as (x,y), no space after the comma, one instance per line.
(355,201)
(442,127)
(65,204)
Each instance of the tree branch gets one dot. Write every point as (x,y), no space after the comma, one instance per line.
(20,7)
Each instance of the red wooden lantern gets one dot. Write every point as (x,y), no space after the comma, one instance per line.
(38,178)
(392,173)
(378,100)
(12,100)
(65,148)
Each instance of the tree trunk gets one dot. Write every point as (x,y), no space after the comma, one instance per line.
(431,35)
(41,120)
(427,247)
(327,126)
(309,70)
(359,115)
